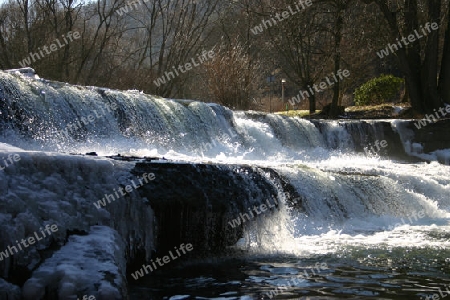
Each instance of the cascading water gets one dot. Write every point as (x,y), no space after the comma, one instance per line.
(380,225)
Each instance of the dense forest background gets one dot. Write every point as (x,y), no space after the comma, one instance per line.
(130,44)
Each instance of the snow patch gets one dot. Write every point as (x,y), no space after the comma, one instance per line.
(87,265)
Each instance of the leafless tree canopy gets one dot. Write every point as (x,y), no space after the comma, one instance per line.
(156,46)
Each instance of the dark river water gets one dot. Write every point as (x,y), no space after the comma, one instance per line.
(353,273)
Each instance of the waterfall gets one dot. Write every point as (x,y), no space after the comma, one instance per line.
(212,166)
(38,114)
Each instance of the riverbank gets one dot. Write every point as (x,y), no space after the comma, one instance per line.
(383,111)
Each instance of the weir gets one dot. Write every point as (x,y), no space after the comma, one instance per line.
(44,113)
(317,171)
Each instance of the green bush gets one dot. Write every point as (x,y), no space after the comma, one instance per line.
(378,90)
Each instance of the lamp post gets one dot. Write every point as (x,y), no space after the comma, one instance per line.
(283,82)
(270,80)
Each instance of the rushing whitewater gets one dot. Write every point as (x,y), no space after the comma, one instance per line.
(343,200)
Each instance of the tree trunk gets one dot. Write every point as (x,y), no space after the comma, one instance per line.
(412,81)
(337,63)
(312,104)
(429,76)
(444,76)
(421,75)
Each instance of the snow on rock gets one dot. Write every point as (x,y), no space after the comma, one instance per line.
(57,189)
(9,291)
(8,148)
(87,265)
(26,71)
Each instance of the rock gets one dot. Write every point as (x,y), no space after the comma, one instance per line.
(197,211)
(95,246)
(434,136)
(9,291)
(93,264)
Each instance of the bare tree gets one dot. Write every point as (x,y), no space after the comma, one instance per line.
(337,9)
(232,76)
(425,67)
(133,43)
(167,34)
(303,44)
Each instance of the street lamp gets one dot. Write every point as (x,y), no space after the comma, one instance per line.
(270,80)
(283,82)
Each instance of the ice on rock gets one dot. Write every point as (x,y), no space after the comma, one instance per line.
(45,188)
(8,148)
(9,291)
(87,265)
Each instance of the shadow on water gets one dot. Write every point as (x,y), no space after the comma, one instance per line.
(355,273)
